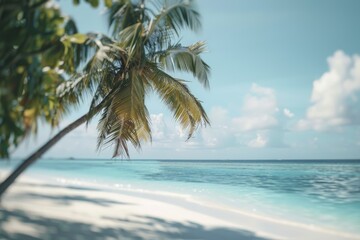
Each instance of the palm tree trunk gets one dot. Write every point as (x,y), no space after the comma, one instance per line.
(31,159)
(36,155)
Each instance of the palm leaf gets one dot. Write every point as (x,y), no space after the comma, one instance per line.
(126,119)
(176,16)
(186,59)
(186,108)
(102,68)
(131,39)
(122,14)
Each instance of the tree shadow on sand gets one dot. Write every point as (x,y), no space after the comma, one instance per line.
(51,228)
(19,224)
(56,186)
(69,199)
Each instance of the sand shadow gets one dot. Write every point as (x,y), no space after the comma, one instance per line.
(141,226)
(55,186)
(68,199)
(51,228)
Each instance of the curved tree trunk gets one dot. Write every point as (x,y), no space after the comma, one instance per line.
(31,159)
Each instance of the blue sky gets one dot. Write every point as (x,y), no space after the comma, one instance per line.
(285,84)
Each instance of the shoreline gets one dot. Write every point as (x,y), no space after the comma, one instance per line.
(211,208)
(63,197)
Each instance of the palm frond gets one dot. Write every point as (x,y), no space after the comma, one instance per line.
(131,39)
(98,77)
(126,119)
(186,59)
(186,108)
(125,13)
(176,16)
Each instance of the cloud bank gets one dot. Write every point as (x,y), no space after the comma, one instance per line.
(335,95)
(257,125)
(258,111)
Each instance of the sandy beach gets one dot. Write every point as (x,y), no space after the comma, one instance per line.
(37,209)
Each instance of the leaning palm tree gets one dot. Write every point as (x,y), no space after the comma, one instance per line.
(138,58)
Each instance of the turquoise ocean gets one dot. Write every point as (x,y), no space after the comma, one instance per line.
(322,193)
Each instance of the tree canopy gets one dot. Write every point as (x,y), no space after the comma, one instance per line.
(41,53)
(139,57)
(39,47)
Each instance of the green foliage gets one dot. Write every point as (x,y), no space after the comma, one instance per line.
(38,47)
(94,3)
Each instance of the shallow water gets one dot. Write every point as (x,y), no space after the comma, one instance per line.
(321,193)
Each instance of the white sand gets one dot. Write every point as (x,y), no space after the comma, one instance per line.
(35,209)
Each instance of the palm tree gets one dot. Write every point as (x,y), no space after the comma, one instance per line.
(136,60)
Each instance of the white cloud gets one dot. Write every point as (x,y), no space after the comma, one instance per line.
(335,95)
(218,115)
(258,142)
(258,116)
(158,127)
(288,113)
(259,110)
(167,134)
(219,134)
(257,126)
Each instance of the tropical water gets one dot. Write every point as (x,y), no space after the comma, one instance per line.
(323,193)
